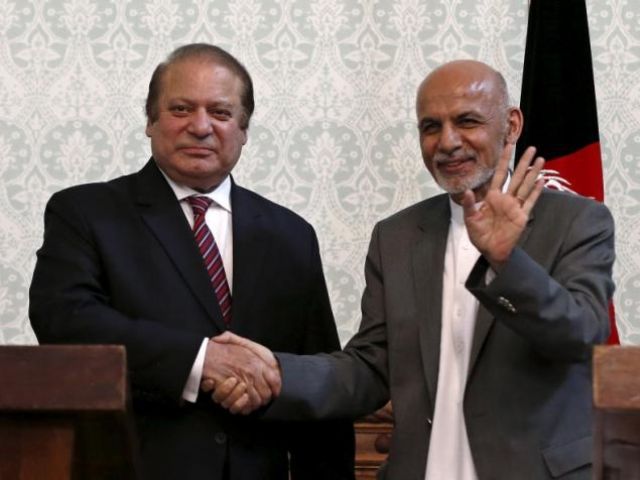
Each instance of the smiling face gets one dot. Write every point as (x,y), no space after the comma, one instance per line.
(197,138)
(464,124)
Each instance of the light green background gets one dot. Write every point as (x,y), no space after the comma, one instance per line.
(333,135)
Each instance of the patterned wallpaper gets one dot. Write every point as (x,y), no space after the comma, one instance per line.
(333,135)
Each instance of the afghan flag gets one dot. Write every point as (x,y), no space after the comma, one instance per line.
(559,102)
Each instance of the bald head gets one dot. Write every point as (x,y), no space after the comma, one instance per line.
(465,122)
(467,77)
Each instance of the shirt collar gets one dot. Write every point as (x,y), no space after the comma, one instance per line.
(221,195)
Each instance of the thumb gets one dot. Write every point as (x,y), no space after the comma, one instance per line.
(274,380)
(262,352)
(226,337)
(469,203)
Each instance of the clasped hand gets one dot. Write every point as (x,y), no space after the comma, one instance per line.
(241,375)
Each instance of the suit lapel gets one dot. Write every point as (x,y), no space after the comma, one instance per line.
(428,265)
(162,214)
(484,322)
(251,242)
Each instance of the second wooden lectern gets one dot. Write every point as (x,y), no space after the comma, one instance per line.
(616,399)
(63,413)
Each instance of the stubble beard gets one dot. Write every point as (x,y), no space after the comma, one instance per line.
(459,185)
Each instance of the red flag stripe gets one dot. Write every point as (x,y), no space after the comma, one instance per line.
(582,169)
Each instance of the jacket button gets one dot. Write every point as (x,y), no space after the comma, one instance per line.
(220,438)
(507,305)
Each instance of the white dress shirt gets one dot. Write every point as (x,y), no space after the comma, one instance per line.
(449,453)
(218,219)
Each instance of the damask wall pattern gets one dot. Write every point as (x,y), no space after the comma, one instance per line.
(333,136)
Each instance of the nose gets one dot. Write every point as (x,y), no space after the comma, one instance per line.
(200,123)
(449,138)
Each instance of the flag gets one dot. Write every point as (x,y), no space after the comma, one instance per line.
(558,101)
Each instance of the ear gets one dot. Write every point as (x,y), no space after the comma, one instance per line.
(515,121)
(245,135)
(148,129)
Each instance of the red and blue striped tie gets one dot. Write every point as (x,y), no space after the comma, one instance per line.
(211,255)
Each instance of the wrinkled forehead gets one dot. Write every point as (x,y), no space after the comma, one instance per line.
(459,91)
(199,76)
(456,83)
(193,67)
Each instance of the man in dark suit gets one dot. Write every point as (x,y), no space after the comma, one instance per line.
(480,310)
(120,264)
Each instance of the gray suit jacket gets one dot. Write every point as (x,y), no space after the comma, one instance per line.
(528,398)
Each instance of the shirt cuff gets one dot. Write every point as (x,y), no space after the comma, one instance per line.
(192,387)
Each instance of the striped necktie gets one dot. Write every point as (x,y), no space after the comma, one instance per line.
(211,255)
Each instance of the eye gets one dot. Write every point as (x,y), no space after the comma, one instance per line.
(429,127)
(468,122)
(220,113)
(179,110)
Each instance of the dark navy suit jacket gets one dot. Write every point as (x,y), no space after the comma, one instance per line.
(119,265)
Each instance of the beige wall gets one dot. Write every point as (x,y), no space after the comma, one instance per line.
(333,135)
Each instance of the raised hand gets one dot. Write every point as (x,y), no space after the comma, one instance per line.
(496,226)
(248,381)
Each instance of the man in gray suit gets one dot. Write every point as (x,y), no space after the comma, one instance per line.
(480,310)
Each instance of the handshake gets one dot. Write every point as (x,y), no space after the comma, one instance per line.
(240,375)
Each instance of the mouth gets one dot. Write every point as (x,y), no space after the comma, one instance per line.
(454,166)
(197,150)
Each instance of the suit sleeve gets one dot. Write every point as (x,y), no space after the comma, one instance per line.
(557,300)
(321,450)
(70,302)
(346,384)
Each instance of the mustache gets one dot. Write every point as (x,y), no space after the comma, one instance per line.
(441,158)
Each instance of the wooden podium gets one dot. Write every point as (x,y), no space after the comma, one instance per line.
(373,439)
(63,414)
(616,399)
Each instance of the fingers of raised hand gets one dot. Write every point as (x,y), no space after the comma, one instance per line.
(532,198)
(525,184)
(502,167)
(469,203)
(521,170)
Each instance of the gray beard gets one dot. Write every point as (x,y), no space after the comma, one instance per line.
(453,187)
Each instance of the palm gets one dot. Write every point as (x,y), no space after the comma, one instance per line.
(495,228)
(497,225)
